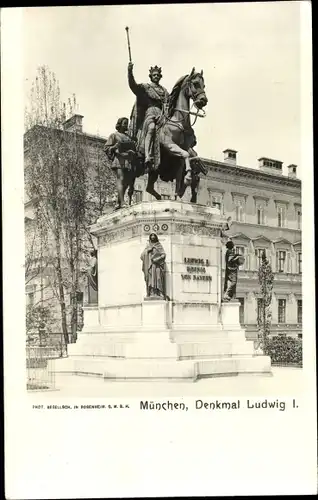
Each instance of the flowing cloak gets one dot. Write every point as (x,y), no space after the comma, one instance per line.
(232,263)
(153,267)
(150,100)
(120,159)
(92,274)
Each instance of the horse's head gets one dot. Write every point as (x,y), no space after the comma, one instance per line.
(195,88)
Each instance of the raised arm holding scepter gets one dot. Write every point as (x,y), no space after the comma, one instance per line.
(150,100)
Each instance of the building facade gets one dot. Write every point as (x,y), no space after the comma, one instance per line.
(265,207)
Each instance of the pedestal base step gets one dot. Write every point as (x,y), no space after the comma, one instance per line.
(215,349)
(128,369)
(150,348)
(161,369)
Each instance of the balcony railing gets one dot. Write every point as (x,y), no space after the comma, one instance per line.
(253,274)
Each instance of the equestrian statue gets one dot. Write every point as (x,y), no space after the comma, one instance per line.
(161,129)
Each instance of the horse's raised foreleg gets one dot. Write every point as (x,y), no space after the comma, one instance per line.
(181,182)
(150,188)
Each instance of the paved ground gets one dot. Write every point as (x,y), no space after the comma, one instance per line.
(284,382)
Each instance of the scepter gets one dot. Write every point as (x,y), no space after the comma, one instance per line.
(129,52)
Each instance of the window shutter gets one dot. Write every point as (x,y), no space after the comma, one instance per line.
(276,269)
(288,263)
(247,261)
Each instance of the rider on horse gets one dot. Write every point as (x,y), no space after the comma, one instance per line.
(151,101)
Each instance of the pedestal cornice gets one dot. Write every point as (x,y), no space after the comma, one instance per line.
(160,217)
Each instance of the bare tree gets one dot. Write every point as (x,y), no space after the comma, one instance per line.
(102,184)
(56,182)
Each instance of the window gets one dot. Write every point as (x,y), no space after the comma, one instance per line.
(239,213)
(30,299)
(281,310)
(298,219)
(260,215)
(165,196)
(30,294)
(241,251)
(232,155)
(260,209)
(259,309)
(239,209)
(259,252)
(299,262)
(241,301)
(281,261)
(299,311)
(216,204)
(216,200)
(281,216)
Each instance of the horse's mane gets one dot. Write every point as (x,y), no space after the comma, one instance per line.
(174,95)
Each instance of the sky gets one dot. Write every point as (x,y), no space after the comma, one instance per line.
(249,52)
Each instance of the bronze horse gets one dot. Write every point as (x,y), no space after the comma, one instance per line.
(176,139)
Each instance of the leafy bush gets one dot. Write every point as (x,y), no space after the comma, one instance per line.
(284,350)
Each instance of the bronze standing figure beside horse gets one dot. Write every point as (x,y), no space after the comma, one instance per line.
(121,152)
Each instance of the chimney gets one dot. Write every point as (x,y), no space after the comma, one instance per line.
(74,124)
(271,166)
(292,171)
(230,156)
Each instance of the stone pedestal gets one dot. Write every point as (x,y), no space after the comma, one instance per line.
(192,333)
(230,313)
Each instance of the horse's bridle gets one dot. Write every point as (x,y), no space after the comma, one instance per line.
(194,113)
(194,96)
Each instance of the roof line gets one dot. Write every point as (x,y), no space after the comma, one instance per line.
(249,170)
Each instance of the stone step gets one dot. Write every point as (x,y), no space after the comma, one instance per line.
(214,348)
(120,369)
(239,365)
(123,369)
(189,345)
(208,336)
(196,335)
